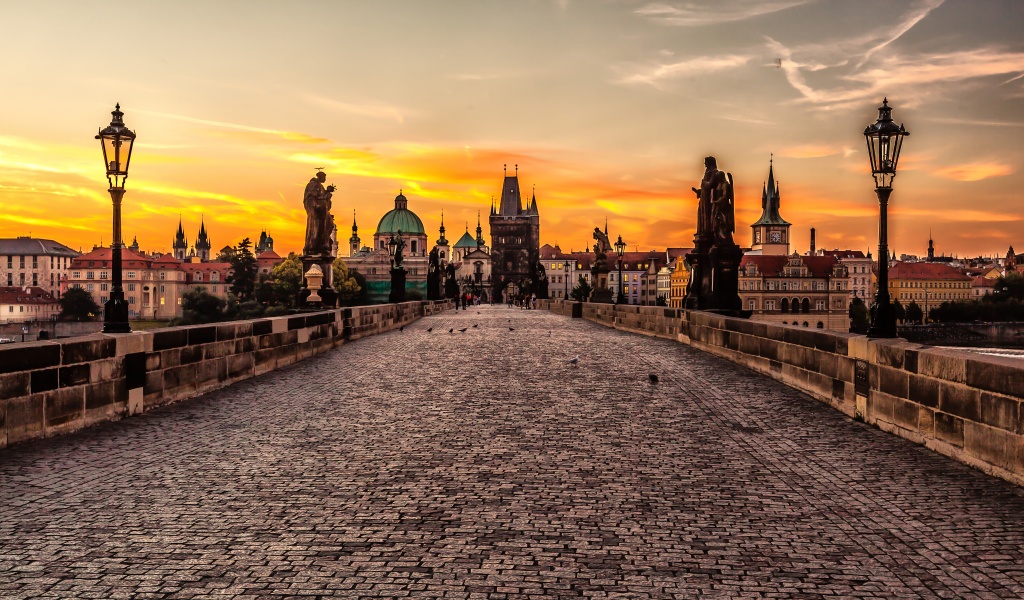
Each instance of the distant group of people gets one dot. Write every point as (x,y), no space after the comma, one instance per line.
(523,301)
(467,300)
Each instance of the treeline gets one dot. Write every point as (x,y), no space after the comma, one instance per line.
(1006,303)
(256,295)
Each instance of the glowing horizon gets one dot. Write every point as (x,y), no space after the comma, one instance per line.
(609,110)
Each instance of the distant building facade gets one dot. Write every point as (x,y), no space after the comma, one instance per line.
(374,262)
(34,262)
(927,284)
(29,303)
(808,291)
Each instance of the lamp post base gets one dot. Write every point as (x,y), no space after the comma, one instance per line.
(883,321)
(115,314)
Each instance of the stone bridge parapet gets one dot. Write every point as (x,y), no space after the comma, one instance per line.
(54,387)
(964,405)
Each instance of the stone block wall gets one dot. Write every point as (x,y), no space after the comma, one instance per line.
(54,387)
(964,405)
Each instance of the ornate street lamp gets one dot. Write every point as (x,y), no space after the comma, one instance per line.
(885,140)
(620,249)
(116,141)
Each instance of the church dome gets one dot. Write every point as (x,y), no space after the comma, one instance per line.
(466,241)
(401,219)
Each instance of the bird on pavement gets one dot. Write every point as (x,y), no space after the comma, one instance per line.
(511,328)
(474,325)
(463,330)
(653,377)
(451,330)
(574,360)
(402,328)
(429,329)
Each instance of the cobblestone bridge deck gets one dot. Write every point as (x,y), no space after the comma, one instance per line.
(482,464)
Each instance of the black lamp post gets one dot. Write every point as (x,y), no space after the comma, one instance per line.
(397,271)
(116,141)
(620,249)
(565,275)
(885,140)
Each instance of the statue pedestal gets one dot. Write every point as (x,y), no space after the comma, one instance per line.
(698,290)
(328,296)
(397,286)
(714,279)
(599,274)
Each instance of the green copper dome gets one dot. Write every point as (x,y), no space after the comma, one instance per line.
(400,219)
(466,241)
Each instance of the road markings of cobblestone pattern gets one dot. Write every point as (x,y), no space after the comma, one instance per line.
(482,464)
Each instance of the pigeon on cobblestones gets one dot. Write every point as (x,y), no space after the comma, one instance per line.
(575,360)
(463,330)
(474,325)
(511,328)
(653,378)
(429,329)
(402,328)
(452,330)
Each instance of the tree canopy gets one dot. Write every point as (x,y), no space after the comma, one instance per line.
(77,305)
(243,271)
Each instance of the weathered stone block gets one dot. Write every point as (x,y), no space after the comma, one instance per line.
(926,421)
(87,350)
(153,362)
(943,364)
(164,339)
(905,413)
(910,361)
(924,390)
(218,349)
(100,395)
(14,385)
(243,345)
(133,343)
(949,429)
(828,364)
(880,406)
(29,356)
(75,375)
(894,381)
(212,370)
(179,377)
(24,418)
(154,383)
(226,332)
(960,401)
(204,334)
(994,446)
(64,406)
(105,370)
(44,380)
(889,354)
(190,354)
(845,368)
(999,411)
(996,376)
(170,358)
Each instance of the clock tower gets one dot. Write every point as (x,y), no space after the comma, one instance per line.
(771,231)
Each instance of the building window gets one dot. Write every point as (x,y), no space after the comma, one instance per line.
(751,304)
(103,274)
(103,287)
(89,287)
(90,275)
(131,274)
(21,262)
(131,287)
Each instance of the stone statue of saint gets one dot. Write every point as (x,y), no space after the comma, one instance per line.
(715,211)
(602,245)
(398,249)
(316,199)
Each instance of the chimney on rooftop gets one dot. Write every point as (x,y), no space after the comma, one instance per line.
(812,241)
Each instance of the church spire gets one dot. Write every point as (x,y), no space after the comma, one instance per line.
(442,241)
(479,231)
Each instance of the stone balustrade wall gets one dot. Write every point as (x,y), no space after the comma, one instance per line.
(54,387)
(961,404)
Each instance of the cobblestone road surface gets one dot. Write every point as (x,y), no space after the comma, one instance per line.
(481,464)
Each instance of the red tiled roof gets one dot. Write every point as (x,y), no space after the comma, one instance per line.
(101,257)
(983,282)
(843,253)
(268,255)
(925,270)
(29,295)
(774,265)
(207,266)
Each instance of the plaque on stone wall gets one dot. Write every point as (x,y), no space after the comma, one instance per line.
(861,384)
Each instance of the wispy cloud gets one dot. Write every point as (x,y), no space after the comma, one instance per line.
(378,111)
(657,74)
(975,171)
(291,136)
(693,14)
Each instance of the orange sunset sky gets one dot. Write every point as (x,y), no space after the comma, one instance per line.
(608,107)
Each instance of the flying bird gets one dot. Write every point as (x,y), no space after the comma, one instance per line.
(574,360)
(653,377)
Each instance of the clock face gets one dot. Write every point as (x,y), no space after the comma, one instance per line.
(776,237)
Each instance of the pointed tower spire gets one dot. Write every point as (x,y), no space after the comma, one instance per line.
(479,231)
